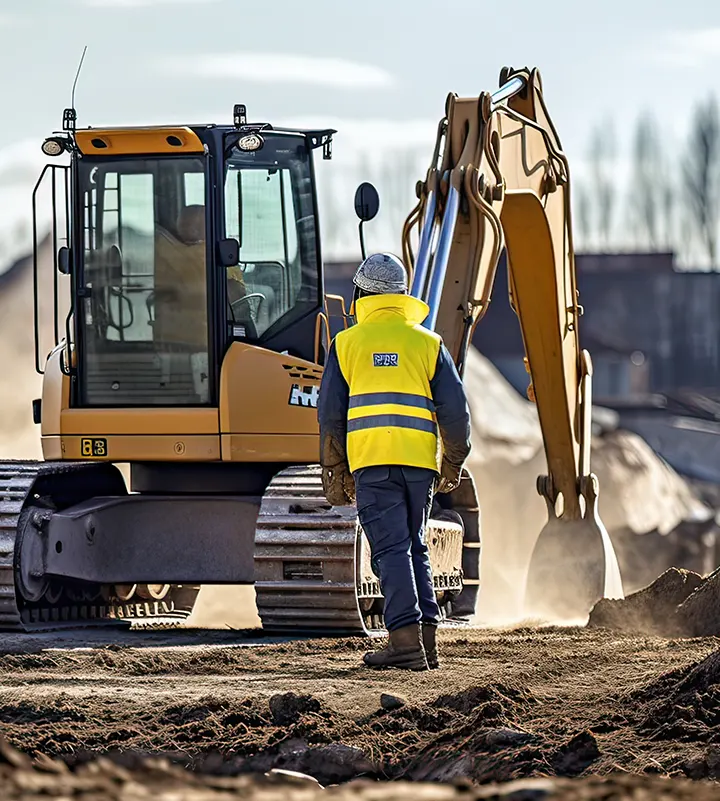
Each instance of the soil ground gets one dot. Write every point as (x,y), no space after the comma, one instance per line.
(506,705)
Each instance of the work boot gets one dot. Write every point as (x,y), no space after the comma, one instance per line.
(405,650)
(429,630)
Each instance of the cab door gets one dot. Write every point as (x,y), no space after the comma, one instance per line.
(144,383)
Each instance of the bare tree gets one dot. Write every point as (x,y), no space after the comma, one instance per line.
(398,184)
(669,217)
(648,199)
(602,157)
(701,177)
(583,210)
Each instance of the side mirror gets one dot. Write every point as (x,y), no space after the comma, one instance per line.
(63,260)
(367,201)
(229,252)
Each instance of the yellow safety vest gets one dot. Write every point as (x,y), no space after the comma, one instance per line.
(388,360)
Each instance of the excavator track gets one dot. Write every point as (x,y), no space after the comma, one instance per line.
(68,604)
(312,566)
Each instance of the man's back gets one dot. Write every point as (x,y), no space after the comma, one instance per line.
(388,361)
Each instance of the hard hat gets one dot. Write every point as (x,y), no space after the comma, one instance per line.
(381,274)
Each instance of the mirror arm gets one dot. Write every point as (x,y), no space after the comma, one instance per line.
(362,239)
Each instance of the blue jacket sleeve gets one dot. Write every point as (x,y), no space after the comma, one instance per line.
(333,400)
(451,407)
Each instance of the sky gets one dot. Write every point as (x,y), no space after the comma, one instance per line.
(379,71)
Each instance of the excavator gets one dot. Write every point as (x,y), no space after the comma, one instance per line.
(178,412)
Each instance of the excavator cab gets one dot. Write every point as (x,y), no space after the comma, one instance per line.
(188,239)
(186,291)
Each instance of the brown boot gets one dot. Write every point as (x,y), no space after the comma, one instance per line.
(430,643)
(405,650)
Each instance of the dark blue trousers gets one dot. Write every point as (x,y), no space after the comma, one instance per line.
(393,505)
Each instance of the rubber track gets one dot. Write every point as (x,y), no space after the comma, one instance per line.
(16,480)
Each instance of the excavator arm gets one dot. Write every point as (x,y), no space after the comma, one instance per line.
(500,180)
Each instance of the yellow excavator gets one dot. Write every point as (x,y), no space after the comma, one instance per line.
(190,326)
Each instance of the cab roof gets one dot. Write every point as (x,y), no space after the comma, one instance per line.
(157,139)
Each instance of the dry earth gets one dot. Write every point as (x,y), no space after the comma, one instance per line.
(506,705)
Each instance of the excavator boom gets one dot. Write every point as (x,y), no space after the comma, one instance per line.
(500,180)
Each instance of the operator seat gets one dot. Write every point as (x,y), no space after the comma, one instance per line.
(191,225)
(180,297)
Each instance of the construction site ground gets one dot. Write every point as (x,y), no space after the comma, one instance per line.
(570,713)
(221,708)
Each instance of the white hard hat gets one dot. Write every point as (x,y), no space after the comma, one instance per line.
(382,274)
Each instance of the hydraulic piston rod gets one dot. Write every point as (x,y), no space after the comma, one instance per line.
(437,278)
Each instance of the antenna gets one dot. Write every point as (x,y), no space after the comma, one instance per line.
(77,75)
(70,115)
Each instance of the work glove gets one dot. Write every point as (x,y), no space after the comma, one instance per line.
(449,479)
(338,485)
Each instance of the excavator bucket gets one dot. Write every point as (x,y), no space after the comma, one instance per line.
(573,565)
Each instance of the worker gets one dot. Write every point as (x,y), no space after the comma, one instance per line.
(181,274)
(181,295)
(388,386)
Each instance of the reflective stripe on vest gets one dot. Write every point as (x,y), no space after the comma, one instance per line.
(401,398)
(396,420)
(388,363)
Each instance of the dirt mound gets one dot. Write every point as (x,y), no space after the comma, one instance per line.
(679,603)
(490,743)
(288,708)
(505,425)
(652,610)
(498,697)
(699,615)
(683,706)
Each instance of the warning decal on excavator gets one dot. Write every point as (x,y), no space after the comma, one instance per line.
(93,447)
